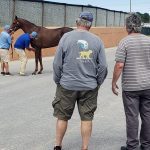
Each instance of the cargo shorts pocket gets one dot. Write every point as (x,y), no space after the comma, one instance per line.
(55,102)
(92,106)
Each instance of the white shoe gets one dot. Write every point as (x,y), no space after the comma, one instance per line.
(21,74)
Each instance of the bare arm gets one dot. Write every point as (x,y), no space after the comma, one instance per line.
(58,62)
(117,72)
(28,46)
(30,49)
(102,66)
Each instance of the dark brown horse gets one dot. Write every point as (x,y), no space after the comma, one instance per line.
(46,37)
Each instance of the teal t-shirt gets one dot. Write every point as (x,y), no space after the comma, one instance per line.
(5,40)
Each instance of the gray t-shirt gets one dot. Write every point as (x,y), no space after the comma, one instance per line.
(80,62)
(134,51)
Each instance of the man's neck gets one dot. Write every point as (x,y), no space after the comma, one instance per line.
(82,28)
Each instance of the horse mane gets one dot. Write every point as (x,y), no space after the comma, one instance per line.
(26,21)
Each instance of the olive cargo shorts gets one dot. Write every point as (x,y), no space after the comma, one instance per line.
(65,100)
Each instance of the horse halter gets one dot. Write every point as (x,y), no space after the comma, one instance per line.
(15,26)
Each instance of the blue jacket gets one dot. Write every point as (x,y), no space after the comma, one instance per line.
(23,41)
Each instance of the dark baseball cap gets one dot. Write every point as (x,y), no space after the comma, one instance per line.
(86,16)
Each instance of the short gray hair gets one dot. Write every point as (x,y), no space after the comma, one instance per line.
(82,22)
(133,23)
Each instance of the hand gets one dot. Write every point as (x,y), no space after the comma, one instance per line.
(114,88)
(12,38)
(98,87)
(11,52)
(31,49)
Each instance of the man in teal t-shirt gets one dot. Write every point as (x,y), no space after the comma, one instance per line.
(5,42)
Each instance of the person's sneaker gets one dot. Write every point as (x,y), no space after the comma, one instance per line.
(123,148)
(142,148)
(57,148)
(3,73)
(8,74)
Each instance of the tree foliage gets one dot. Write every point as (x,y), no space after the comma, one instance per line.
(145,17)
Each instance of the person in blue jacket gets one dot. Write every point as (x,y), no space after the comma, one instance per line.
(22,43)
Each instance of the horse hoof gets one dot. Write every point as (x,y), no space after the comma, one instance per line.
(34,73)
(39,72)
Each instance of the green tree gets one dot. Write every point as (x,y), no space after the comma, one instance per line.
(145,17)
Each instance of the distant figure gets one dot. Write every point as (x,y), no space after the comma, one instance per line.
(5,42)
(133,61)
(22,43)
(79,70)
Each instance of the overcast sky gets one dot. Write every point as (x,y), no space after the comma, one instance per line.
(120,5)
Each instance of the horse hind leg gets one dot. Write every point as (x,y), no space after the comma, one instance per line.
(36,62)
(40,60)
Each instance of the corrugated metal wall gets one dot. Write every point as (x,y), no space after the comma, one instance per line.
(6,11)
(72,12)
(53,15)
(30,11)
(56,14)
(101,17)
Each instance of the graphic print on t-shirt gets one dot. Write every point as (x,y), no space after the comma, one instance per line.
(84,53)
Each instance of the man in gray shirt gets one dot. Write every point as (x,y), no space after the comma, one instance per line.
(133,60)
(79,69)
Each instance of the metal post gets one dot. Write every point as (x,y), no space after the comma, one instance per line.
(114,24)
(42,14)
(13,11)
(120,20)
(106,18)
(65,15)
(149,17)
(96,18)
(130,6)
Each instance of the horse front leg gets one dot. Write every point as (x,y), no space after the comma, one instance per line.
(36,62)
(40,60)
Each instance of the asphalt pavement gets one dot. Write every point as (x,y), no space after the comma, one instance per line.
(26,114)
